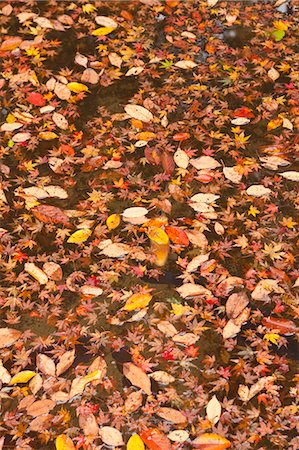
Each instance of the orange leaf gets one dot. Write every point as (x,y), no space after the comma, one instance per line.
(177,236)
(155,440)
(50,214)
(211,441)
(181,137)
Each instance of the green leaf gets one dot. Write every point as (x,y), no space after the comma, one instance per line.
(278,35)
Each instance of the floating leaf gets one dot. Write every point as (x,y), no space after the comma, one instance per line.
(154,439)
(103,31)
(158,235)
(139,112)
(133,401)
(8,336)
(60,121)
(135,443)
(111,436)
(36,273)
(65,362)
(214,410)
(113,221)
(50,214)
(291,175)
(77,87)
(258,190)
(79,236)
(22,377)
(278,35)
(211,441)
(64,442)
(179,436)
(171,415)
(177,235)
(45,365)
(36,99)
(284,326)
(137,377)
(137,301)
(185,64)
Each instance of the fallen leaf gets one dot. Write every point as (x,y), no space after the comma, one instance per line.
(8,336)
(171,415)
(154,439)
(213,410)
(113,221)
(40,407)
(137,301)
(111,436)
(79,236)
(65,361)
(45,365)
(137,377)
(22,377)
(139,112)
(211,441)
(64,442)
(77,87)
(133,401)
(135,443)
(60,121)
(36,273)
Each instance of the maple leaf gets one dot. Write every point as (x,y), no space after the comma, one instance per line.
(273,250)
(253,211)
(272,337)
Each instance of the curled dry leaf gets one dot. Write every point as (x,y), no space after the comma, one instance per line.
(137,377)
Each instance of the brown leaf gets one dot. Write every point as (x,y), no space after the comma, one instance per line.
(8,336)
(65,362)
(50,214)
(167,163)
(171,415)
(45,365)
(235,304)
(40,407)
(137,377)
(89,425)
(133,401)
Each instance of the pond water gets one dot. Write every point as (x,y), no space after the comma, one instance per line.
(216,83)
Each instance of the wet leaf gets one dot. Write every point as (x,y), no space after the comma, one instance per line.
(214,410)
(77,87)
(64,442)
(137,377)
(111,436)
(139,112)
(79,236)
(36,273)
(171,415)
(8,336)
(113,221)
(135,443)
(155,439)
(211,441)
(137,301)
(22,377)
(177,235)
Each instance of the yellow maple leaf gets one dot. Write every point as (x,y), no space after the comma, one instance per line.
(272,337)
(253,211)
(88,8)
